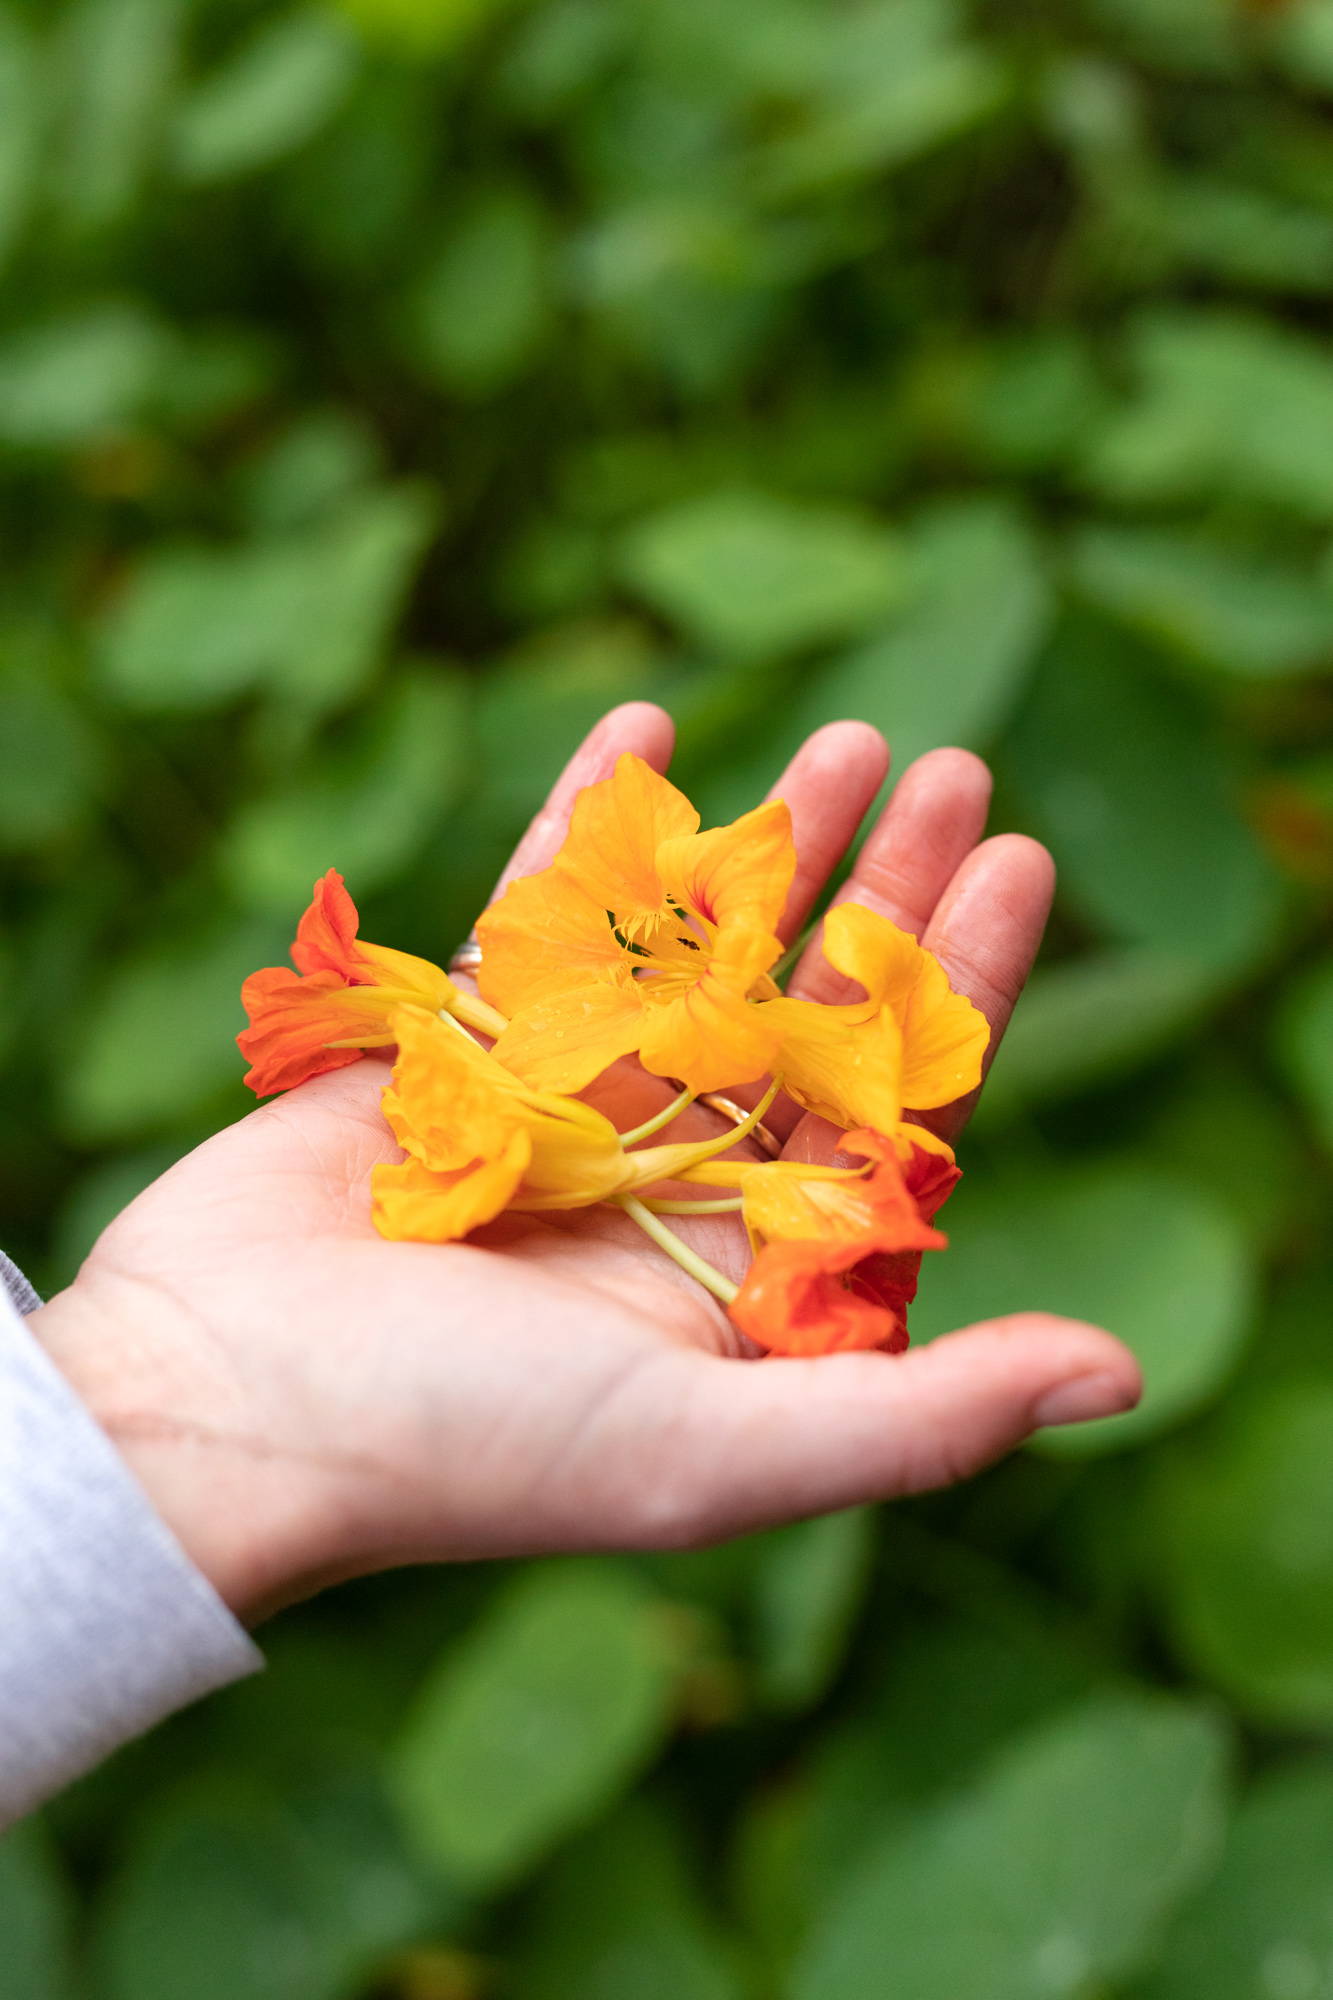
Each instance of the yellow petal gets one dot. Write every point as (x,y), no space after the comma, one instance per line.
(738,874)
(711,1037)
(449,1102)
(412,1204)
(546,935)
(615,831)
(565,1040)
(836,1062)
(944,1035)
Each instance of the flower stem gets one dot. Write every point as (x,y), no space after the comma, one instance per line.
(655,1124)
(730,1206)
(466,1007)
(666,1239)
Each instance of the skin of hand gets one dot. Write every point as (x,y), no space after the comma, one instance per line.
(303,1401)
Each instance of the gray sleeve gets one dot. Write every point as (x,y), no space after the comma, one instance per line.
(105,1624)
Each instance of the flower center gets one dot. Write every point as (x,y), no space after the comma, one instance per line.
(669,949)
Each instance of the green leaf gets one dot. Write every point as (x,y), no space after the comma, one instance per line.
(754,574)
(1304,1037)
(1121,1244)
(1264,1924)
(1050,1874)
(66,381)
(891,83)
(535,1721)
(1245,1520)
(1230,406)
(1302,41)
(364,808)
(158,1042)
(808,1587)
(21,112)
(310,614)
(299,1895)
(950,667)
(36,1918)
(54,762)
(1126,778)
(272,95)
(1226,608)
(308,469)
(480,309)
(1087,1021)
(421,27)
(118,61)
(618,1915)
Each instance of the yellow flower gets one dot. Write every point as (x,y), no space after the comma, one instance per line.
(912,1042)
(479,1140)
(644,935)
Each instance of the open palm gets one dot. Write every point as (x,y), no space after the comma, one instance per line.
(304,1400)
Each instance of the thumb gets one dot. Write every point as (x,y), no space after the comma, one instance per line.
(788,1438)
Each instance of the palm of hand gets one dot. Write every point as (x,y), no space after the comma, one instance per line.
(304,1400)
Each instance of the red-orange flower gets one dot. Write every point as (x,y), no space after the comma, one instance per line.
(338,1001)
(839,1260)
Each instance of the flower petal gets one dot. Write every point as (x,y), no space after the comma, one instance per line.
(738,874)
(944,1035)
(326,934)
(412,1204)
(835,1061)
(566,1039)
(296,1021)
(793,1302)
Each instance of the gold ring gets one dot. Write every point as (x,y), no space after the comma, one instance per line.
(468,956)
(727,1107)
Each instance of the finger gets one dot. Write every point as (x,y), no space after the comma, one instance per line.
(782,1439)
(829,786)
(932,822)
(637,726)
(986,931)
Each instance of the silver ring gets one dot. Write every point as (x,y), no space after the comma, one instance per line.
(467,958)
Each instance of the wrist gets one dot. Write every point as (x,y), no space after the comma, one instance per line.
(241,1509)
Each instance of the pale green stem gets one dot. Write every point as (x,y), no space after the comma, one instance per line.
(728,1207)
(666,1239)
(663,1117)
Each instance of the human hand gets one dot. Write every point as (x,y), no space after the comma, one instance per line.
(304,1401)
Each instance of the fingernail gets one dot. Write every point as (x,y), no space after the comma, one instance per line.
(1087,1396)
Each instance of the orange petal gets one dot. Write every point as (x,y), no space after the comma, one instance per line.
(409,1203)
(793,1302)
(294,1020)
(326,934)
(563,1041)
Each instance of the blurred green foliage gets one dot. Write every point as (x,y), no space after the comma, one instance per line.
(388,386)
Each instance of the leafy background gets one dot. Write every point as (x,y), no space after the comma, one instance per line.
(385,388)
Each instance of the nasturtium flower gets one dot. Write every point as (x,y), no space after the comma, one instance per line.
(337,1002)
(644,935)
(479,1140)
(911,1042)
(837,1259)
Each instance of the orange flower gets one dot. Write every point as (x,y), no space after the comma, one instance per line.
(647,936)
(643,935)
(478,1141)
(338,1001)
(838,1259)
